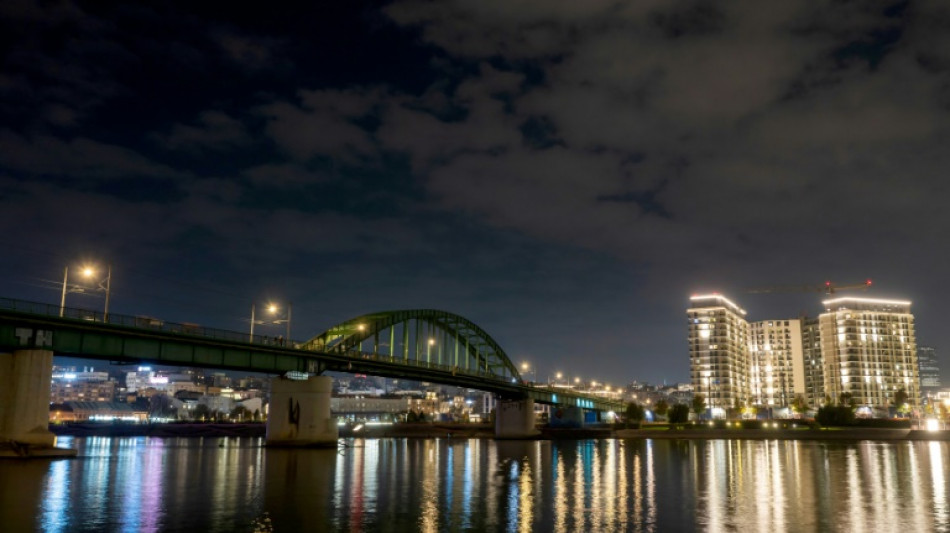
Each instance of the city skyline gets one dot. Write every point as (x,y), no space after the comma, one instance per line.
(564,176)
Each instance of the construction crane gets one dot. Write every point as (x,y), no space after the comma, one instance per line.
(827,288)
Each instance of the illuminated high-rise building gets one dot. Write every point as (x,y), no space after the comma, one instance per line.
(718,352)
(813,364)
(862,349)
(777,371)
(869,351)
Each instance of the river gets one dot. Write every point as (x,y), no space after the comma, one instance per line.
(143,484)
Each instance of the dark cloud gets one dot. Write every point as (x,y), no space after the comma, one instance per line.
(563,172)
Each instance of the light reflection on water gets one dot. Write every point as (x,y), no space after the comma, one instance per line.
(146,484)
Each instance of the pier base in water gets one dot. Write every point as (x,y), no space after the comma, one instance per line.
(25,376)
(299,413)
(514,419)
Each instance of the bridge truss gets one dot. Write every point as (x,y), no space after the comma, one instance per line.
(423,337)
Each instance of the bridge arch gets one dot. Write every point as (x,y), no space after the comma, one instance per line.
(421,337)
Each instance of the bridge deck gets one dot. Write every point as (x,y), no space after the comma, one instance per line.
(134,339)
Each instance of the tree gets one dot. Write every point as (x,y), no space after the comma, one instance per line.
(679,414)
(634,413)
(699,404)
(201,412)
(835,415)
(799,405)
(846,398)
(160,406)
(240,413)
(900,401)
(662,407)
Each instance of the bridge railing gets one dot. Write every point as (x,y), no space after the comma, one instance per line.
(453,369)
(141,322)
(195,330)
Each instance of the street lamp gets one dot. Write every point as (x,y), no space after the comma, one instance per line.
(526,368)
(429,350)
(272,309)
(87,272)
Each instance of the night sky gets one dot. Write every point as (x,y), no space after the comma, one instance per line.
(563,173)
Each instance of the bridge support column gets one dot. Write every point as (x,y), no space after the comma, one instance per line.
(567,417)
(514,419)
(299,413)
(25,377)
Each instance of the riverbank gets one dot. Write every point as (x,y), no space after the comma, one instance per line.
(784,434)
(486,431)
(158,430)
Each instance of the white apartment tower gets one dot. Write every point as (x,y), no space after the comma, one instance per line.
(718,351)
(869,350)
(777,371)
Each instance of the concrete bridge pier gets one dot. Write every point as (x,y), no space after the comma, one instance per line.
(25,377)
(299,413)
(514,419)
(567,417)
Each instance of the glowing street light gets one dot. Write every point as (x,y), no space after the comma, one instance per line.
(429,350)
(272,309)
(528,369)
(88,272)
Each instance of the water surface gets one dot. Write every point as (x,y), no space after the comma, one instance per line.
(235,484)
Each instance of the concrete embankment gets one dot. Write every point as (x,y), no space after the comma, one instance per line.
(474,431)
(159,430)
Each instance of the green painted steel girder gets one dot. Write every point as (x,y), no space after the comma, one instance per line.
(128,339)
(481,350)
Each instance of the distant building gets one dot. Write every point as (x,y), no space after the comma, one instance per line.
(928,369)
(369,408)
(97,412)
(69,385)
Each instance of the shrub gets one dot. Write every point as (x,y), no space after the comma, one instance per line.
(679,414)
(835,415)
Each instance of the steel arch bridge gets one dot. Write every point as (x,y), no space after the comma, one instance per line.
(421,345)
(419,337)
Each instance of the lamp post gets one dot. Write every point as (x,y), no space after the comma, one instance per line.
(105,315)
(528,369)
(272,309)
(429,350)
(87,272)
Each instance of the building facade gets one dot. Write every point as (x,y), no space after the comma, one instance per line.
(69,385)
(869,347)
(718,352)
(813,363)
(928,369)
(860,350)
(777,371)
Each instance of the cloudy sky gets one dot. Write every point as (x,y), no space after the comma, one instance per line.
(563,173)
